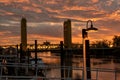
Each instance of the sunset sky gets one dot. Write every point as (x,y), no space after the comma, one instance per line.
(45,19)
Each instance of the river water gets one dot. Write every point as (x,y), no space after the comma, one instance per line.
(104,63)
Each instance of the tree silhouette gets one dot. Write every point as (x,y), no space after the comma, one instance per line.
(116,41)
(101,44)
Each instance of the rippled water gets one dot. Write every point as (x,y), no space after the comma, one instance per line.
(102,63)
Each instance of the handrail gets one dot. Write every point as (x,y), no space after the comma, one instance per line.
(47,67)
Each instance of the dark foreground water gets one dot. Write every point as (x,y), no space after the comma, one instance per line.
(105,63)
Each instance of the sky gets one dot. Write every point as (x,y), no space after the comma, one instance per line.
(45,19)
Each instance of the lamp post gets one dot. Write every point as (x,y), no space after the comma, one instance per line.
(86,61)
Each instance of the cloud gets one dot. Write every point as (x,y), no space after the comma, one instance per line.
(11,1)
(45,18)
(46,29)
(109,5)
(95,1)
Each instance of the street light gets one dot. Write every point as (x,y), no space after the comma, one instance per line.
(91,28)
(86,48)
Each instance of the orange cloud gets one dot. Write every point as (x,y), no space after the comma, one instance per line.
(3,12)
(10,1)
(4,1)
(115,15)
(105,13)
(34,9)
(95,1)
(9,13)
(51,2)
(9,40)
(42,38)
(51,10)
(3,33)
(80,8)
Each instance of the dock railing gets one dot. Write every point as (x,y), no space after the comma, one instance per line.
(22,71)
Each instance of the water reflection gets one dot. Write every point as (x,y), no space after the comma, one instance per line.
(105,63)
(48,58)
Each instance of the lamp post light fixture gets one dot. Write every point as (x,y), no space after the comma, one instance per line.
(86,61)
(91,28)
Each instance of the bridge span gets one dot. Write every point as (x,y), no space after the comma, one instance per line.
(41,46)
(76,49)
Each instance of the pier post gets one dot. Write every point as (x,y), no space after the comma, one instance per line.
(17,53)
(88,59)
(17,50)
(21,53)
(16,69)
(36,56)
(22,60)
(62,60)
(28,56)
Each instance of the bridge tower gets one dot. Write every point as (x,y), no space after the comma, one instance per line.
(67,58)
(67,34)
(24,34)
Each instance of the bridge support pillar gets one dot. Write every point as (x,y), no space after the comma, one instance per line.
(68,45)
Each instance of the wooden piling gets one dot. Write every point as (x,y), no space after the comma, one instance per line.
(88,60)
(62,60)
(36,56)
